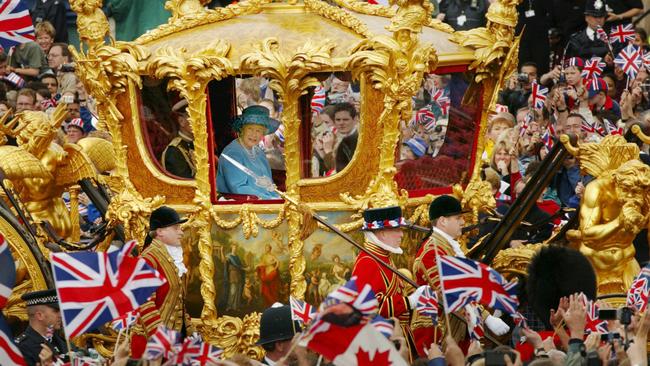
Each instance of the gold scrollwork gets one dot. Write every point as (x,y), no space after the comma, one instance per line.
(207,16)
(338,15)
(235,335)
(249,220)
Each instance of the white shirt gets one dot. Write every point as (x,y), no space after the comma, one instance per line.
(176,252)
(373,239)
(454,244)
(269,361)
(591,33)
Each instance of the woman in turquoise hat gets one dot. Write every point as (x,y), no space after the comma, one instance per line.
(251,126)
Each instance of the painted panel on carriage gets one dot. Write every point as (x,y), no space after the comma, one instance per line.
(250,275)
(436,144)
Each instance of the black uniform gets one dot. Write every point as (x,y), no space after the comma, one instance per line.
(54,12)
(464,14)
(177,158)
(30,342)
(580,45)
(534,16)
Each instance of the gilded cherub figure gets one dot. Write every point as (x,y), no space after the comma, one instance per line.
(91,21)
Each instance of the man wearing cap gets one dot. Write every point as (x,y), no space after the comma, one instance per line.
(163,252)
(599,101)
(446,215)
(41,333)
(178,156)
(586,43)
(383,237)
(277,329)
(74,131)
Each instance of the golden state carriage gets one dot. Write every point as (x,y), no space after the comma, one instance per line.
(203,56)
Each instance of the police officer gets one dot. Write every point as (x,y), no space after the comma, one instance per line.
(178,156)
(41,336)
(276,332)
(586,43)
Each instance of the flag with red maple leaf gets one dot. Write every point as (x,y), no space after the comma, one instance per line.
(357,345)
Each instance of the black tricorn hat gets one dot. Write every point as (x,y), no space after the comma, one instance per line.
(596,8)
(162,217)
(382,218)
(276,325)
(555,272)
(444,205)
(44,297)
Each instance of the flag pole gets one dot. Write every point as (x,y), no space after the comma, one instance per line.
(442,288)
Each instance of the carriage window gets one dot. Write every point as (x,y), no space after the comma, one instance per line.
(166,128)
(248,137)
(436,145)
(334,126)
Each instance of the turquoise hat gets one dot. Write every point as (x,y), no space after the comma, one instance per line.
(256,115)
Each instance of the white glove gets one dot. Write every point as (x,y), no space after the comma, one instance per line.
(496,325)
(413,298)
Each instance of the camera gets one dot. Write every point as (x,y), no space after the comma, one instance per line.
(623,315)
(522,77)
(67,68)
(562,79)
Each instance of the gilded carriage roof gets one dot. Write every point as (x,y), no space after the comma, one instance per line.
(293,26)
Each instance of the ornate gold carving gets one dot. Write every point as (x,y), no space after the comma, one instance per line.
(248,220)
(189,74)
(206,16)
(513,262)
(91,21)
(363,7)
(612,211)
(289,75)
(40,171)
(103,343)
(235,335)
(338,15)
(492,42)
(395,66)
(184,8)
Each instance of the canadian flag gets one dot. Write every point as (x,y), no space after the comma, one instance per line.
(358,345)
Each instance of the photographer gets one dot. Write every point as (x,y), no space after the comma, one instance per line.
(59,61)
(463,14)
(517,91)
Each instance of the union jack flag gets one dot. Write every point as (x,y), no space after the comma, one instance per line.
(593,323)
(611,128)
(163,343)
(15,79)
(588,127)
(463,281)
(547,139)
(427,304)
(383,326)
(301,311)
(637,295)
(501,108)
(425,115)
(602,35)
(364,300)
(539,95)
(9,353)
(205,354)
(16,24)
(7,272)
(593,68)
(621,33)
(125,320)
(524,126)
(519,320)
(629,59)
(442,99)
(95,288)
(318,100)
(645,57)
(474,322)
